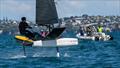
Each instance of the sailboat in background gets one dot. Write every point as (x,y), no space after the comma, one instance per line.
(46,15)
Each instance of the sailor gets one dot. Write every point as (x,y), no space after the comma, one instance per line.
(23,28)
(89,31)
(100,29)
(81,31)
(100,32)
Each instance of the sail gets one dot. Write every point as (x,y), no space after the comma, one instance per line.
(46,12)
(55,33)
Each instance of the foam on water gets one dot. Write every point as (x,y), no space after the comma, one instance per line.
(66,55)
(18,56)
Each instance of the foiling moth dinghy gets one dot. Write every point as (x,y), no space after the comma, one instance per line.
(50,41)
(45,18)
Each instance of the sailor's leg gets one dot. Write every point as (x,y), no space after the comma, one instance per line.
(29,34)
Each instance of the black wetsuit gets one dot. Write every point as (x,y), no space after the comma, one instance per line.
(22,28)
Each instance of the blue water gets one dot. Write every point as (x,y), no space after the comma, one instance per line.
(88,54)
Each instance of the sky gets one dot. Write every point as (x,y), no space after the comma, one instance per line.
(15,9)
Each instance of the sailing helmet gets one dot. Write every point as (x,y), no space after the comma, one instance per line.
(23,18)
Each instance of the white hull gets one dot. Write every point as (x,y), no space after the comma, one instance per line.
(85,37)
(99,37)
(56,43)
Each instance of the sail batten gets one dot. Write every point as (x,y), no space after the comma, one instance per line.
(46,12)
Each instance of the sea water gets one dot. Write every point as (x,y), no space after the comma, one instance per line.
(88,54)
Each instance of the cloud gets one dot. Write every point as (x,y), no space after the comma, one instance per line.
(64,7)
(90,7)
(17,8)
(76,3)
(69,7)
(15,5)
